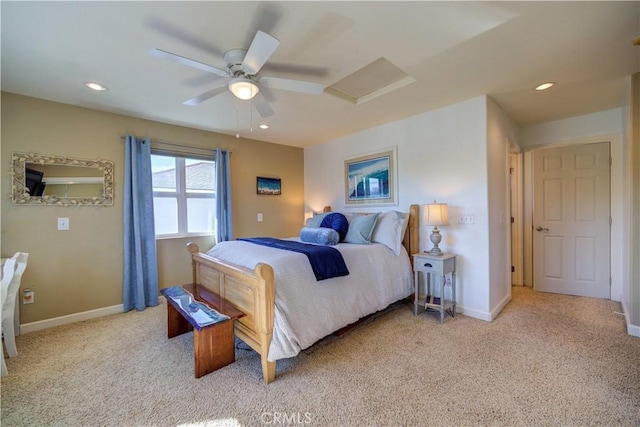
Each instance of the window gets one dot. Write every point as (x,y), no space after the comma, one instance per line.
(183,195)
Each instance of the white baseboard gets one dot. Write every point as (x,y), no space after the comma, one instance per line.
(76,317)
(633,330)
(483,315)
(71,318)
(506,300)
(476,314)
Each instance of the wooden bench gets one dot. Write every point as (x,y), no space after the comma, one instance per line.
(213,338)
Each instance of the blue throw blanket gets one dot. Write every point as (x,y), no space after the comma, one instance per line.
(325,262)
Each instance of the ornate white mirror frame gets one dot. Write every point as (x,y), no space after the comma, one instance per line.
(20,193)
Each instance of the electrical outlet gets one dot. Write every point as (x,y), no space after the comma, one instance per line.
(63,224)
(27,296)
(467,219)
(260,217)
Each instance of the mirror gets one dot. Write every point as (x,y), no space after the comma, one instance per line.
(61,181)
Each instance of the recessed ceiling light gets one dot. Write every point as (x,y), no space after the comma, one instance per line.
(544,86)
(95,86)
(264,126)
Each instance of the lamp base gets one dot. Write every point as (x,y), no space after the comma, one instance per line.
(435,252)
(436,238)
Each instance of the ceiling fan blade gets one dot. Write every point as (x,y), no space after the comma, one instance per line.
(204,96)
(292,85)
(261,49)
(306,70)
(262,105)
(169,29)
(159,53)
(265,18)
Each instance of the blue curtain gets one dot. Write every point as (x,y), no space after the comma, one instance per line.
(140,283)
(224,230)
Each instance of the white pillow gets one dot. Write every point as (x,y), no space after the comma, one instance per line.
(316,219)
(361,228)
(390,229)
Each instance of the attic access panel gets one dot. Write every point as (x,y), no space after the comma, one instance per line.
(371,81)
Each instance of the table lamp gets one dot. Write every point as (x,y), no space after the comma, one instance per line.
(435,214)
(307,216)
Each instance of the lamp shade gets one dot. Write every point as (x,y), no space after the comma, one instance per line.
(243,88)
(435,214)
(307,216)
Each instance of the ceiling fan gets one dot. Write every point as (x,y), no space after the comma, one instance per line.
(241,74)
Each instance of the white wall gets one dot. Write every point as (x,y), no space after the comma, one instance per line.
(603,126)
(501,133)
(632,130)
(601,123)
(625,290)
(442,155)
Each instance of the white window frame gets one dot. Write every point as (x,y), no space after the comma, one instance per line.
(182,195)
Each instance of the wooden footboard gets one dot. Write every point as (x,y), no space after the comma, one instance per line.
(251,291)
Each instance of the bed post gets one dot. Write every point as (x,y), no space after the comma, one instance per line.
(411,237)
(193,249)
(265,315)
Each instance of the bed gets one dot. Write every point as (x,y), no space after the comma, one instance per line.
(286,309)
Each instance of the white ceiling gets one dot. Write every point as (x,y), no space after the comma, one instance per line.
(454,50)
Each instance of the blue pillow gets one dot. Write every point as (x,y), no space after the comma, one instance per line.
(361,229)
(338,222)
(320,236)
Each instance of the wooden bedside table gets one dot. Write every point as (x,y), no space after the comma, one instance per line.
(438,266)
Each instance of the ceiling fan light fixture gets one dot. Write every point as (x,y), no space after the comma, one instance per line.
(264,126)
(545,86)
(96,86)
(243,89)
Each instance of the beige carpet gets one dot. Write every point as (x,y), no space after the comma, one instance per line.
(546,360)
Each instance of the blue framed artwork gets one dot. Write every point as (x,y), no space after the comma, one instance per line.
(371,179)
(269,186)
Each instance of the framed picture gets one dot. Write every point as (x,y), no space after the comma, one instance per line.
(269,186)
(371,179)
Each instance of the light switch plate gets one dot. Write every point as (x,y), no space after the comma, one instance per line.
(467,219)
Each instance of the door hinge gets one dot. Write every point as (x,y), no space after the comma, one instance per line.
(513,269)
(511,171)
(513,220)
(610,221)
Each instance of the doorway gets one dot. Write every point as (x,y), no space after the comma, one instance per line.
(516,206)
(571,220)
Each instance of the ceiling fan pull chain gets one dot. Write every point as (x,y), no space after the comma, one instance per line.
(237,120)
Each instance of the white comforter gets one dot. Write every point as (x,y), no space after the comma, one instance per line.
(307,310)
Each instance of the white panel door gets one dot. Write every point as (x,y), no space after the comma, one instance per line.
(571,198)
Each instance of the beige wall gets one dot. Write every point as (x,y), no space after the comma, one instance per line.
(81,269)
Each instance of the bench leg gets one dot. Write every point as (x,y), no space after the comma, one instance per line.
(176,324)
(213,347)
